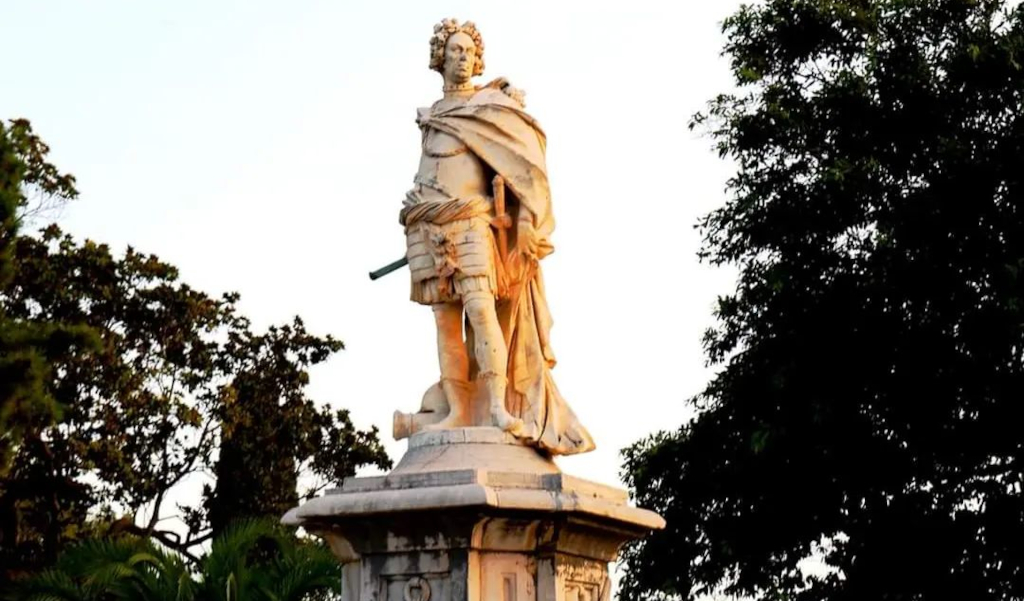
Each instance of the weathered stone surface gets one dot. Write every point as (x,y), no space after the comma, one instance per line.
(471,468)
(471,448)
(478,222)
(472,514)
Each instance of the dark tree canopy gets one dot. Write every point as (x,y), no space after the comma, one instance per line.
(179,378)
(271,432)
(118,382)
(869,405)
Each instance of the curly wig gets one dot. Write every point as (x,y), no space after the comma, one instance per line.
(445,29)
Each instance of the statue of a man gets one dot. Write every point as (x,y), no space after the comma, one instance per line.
(474,258)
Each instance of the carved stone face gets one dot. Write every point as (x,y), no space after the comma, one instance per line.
(459,58)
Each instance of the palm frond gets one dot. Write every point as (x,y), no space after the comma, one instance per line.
(49,585)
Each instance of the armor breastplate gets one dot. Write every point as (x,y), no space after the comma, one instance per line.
(438,144)
(447,170)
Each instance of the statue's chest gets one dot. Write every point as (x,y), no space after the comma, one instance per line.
(439,144)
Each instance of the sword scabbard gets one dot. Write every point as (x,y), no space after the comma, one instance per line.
(383,271)
(501,219)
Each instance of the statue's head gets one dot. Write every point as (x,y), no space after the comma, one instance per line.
(457,51)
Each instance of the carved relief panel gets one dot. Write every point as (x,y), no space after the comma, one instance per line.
(508,577)
(425,587)
(584,580)
(416,576)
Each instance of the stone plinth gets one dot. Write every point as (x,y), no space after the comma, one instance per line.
(471,515)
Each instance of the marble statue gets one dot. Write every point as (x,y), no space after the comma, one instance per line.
(477,222)
(477,509)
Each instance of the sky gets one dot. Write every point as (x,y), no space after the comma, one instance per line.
(265,147)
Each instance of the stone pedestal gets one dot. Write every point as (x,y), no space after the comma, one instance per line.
(472,515)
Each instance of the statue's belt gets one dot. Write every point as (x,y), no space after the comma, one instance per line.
(444,212)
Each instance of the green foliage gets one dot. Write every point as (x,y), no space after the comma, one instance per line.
(270,374)
(26,401)
(118,382)
(179,374)
(254,560)
(868,407)
(136,415)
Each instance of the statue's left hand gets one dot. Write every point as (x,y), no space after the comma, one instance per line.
(526,239)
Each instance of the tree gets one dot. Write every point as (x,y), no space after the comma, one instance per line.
(271,432)
(136,415)
(26,401)
(177,377)
(867,410)
(260,560)
(103,569)
(253,560)
(170,384)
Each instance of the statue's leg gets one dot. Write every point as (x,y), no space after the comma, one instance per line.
(454,362)
(491,356)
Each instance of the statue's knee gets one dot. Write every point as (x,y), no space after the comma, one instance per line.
(479,308)
(446,312)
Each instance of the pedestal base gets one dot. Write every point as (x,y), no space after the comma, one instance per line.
(471,515)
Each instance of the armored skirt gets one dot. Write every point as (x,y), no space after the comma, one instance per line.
(451,250)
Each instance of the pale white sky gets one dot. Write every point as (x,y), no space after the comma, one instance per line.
(264,147)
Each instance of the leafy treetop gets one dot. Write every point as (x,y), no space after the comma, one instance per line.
(867,412)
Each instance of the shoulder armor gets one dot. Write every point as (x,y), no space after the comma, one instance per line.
(514,93)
